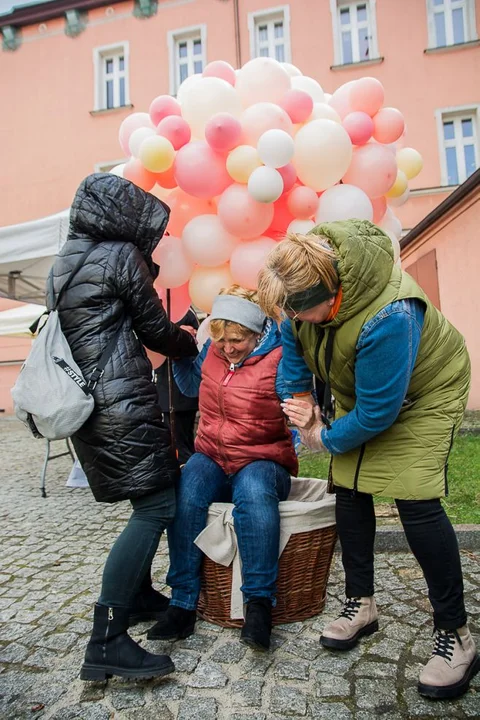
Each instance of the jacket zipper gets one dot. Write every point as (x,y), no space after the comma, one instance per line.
(446,461)
(229,375)
(226,380)
(357,470)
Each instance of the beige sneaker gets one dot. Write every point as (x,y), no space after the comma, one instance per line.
(358,617)
(453,664)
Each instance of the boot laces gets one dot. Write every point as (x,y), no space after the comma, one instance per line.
(445,643)
(351,608)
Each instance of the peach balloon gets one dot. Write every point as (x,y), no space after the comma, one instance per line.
(175,266)
(131,123)
(298,105)
(176,130)
(289,176)
(248,258)
(261,117)
(184,207)
(340,100)
(241,162)
(303,202)
(163,106)
(367,95)
(323,152)
(206,241)
(160,193)
(359,127)
(388,125)
(220,69)
(262,80)
(373,169)
(200,171)
(379,208)
(136,173)
(166,179)
(206,98)
(223,132)
(206,283)
(179,300)
(241,215)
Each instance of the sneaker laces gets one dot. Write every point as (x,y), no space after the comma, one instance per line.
(445,643)
(351,608)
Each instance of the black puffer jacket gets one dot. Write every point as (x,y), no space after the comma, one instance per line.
(124,448)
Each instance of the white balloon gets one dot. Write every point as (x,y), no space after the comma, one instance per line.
(291,69)
(310,86)
(275,148)
(395,244)
(302,227)
(323,152)
(137,137)
(344,202)
(186,85)
(265,185)
(399,201)
(322,111)
(205,99)
(118,170)
(327,96)
(203,333)
(206,241)
(390,223)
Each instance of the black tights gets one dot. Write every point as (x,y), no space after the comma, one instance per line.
(431,538)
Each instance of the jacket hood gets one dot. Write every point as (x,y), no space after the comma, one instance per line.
(365,262)
(107,207)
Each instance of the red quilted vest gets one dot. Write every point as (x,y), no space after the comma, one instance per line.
(240,415)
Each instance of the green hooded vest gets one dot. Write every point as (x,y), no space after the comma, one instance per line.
(408,460)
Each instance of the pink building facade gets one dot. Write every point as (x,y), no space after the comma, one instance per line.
(70,71)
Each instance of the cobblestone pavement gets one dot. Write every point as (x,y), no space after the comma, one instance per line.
(52,552)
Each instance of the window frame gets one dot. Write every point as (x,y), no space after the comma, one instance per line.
(335,6)
(174,37)
(100,55)
(270,15)
(457,114)
(469,24)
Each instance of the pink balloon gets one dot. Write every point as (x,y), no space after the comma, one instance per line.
(175,129)
(379,208)
(359,126)
(241,215)
(389,125)
(179,300)
(184,207)
(282,217)
(223,132)
(163,106)
(221,69)
(131,123)
(136,173)
(289,176)
(303,202)
(298,105)
(373,169)
(175,266)
(261,117)
(340,100)
(367,95)
(248,258)
(200,171)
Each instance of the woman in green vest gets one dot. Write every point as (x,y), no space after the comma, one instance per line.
(399,374)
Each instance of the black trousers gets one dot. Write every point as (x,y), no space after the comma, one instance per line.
(431,538)
(184,432)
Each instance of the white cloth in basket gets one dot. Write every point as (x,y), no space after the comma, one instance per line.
(309,507)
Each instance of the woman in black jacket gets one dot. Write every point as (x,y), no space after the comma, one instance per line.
(124,447)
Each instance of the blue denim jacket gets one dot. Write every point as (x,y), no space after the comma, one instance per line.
(386,352)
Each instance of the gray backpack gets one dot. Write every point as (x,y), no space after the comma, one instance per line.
(51,396)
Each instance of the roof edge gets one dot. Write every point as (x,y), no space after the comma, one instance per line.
(41,12)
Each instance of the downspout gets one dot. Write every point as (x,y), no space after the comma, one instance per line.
(236,21)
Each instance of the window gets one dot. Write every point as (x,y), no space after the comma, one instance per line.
(270,34)
(111,77)
(450,22)
(459,145)
(187,49)
(354,31)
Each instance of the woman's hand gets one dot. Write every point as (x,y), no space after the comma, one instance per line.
(308,419)
(190,330)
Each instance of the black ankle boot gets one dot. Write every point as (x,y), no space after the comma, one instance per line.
(111,651)
(148,605)
(176,624)
(258,624)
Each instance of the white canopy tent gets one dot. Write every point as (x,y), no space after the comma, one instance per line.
(27,252)
(16,321)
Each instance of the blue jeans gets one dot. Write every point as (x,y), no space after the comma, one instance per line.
(255,490)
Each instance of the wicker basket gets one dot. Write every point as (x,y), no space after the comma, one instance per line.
(303,572)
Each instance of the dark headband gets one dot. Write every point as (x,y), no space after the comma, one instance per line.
(305,299)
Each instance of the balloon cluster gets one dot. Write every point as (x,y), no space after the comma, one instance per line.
(244,156)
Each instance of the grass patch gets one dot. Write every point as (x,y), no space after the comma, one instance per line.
(463,503)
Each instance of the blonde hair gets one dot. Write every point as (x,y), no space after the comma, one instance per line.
(217,327)
(297,263)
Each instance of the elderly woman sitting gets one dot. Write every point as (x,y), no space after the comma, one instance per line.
(244,454)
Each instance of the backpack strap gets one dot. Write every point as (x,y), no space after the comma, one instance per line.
(100,366)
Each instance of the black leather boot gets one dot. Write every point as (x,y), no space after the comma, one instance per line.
(111,651)
(176,624)
(149,604)
(258,624)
